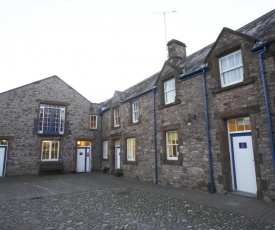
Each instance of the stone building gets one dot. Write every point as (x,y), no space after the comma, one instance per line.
(204,121)
(47,122)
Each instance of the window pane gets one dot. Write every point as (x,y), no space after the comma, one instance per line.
(172,145)
(45,150)
(231,69)
(131,149)
(232,126)
(54,152)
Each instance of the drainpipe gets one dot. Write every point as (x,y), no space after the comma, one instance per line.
(212,185)
(185,77)
(262,50)
(100,112)
(155,135)
(153,91)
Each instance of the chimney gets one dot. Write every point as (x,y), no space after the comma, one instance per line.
(176,51)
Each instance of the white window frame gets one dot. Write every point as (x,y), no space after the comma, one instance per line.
(95,122)
(105,149)
(231,69)
(135,112)
(43,119)
(50,142)
(131,149)
(171,145)
(169,94)
(116,117)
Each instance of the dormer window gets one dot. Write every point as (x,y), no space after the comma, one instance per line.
(169,91)
(135,112)
(116,117)
(231,69)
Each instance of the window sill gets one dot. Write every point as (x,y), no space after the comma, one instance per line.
(116,127)
(136,123)
(106,159)
(176,102)
(131,162)
(172,162)
(245,82)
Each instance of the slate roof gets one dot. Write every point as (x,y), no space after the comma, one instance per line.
(261,28)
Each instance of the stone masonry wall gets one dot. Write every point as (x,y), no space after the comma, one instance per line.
(19,110)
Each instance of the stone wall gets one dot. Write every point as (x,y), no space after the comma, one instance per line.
(18,119)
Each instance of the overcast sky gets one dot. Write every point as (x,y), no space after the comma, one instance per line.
(101,46)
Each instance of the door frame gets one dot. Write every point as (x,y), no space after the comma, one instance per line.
(116,148)
(232,135)
(4,160)
(85,157)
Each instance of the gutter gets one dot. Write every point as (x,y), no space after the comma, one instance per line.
(261,50)
(185,77)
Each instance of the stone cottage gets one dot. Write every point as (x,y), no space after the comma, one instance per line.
(204,121)
(47,124)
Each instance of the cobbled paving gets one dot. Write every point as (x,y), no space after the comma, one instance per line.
(118,208)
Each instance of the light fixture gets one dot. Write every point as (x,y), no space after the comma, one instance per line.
(190,118)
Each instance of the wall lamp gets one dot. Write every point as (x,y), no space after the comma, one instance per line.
(190,118)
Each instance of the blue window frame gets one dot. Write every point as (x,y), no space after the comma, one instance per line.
(51,119)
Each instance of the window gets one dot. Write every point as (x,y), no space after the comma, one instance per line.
(135,112)
(239,125)
(231,69)
(50,151)
(51,119)
(131,149)
(116,117)
(172,145)
(105,149)
(93,122)
(169,91)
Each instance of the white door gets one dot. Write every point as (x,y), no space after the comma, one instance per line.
(117,158)
(83,159)
(3,154)
(243,163)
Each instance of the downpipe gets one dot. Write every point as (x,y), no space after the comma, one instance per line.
(212,185)
(270,128)
(155,136)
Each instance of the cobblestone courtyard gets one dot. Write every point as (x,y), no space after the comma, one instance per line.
(110,207)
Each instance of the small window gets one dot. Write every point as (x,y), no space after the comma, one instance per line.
(231,69)
(50,151)
(116,117)
(105,149)
(131,149)
(169,91)
(135,112)
(93,122)
(51,119)
(172,145)
(239,125)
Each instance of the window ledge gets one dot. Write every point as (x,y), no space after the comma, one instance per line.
(172,162)
(131,162)
(117,127)
(245,82)
(106,159)
(177,101)
(136,123)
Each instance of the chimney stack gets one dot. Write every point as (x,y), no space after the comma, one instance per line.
(176,51)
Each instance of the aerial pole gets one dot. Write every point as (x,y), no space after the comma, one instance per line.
(164,13)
